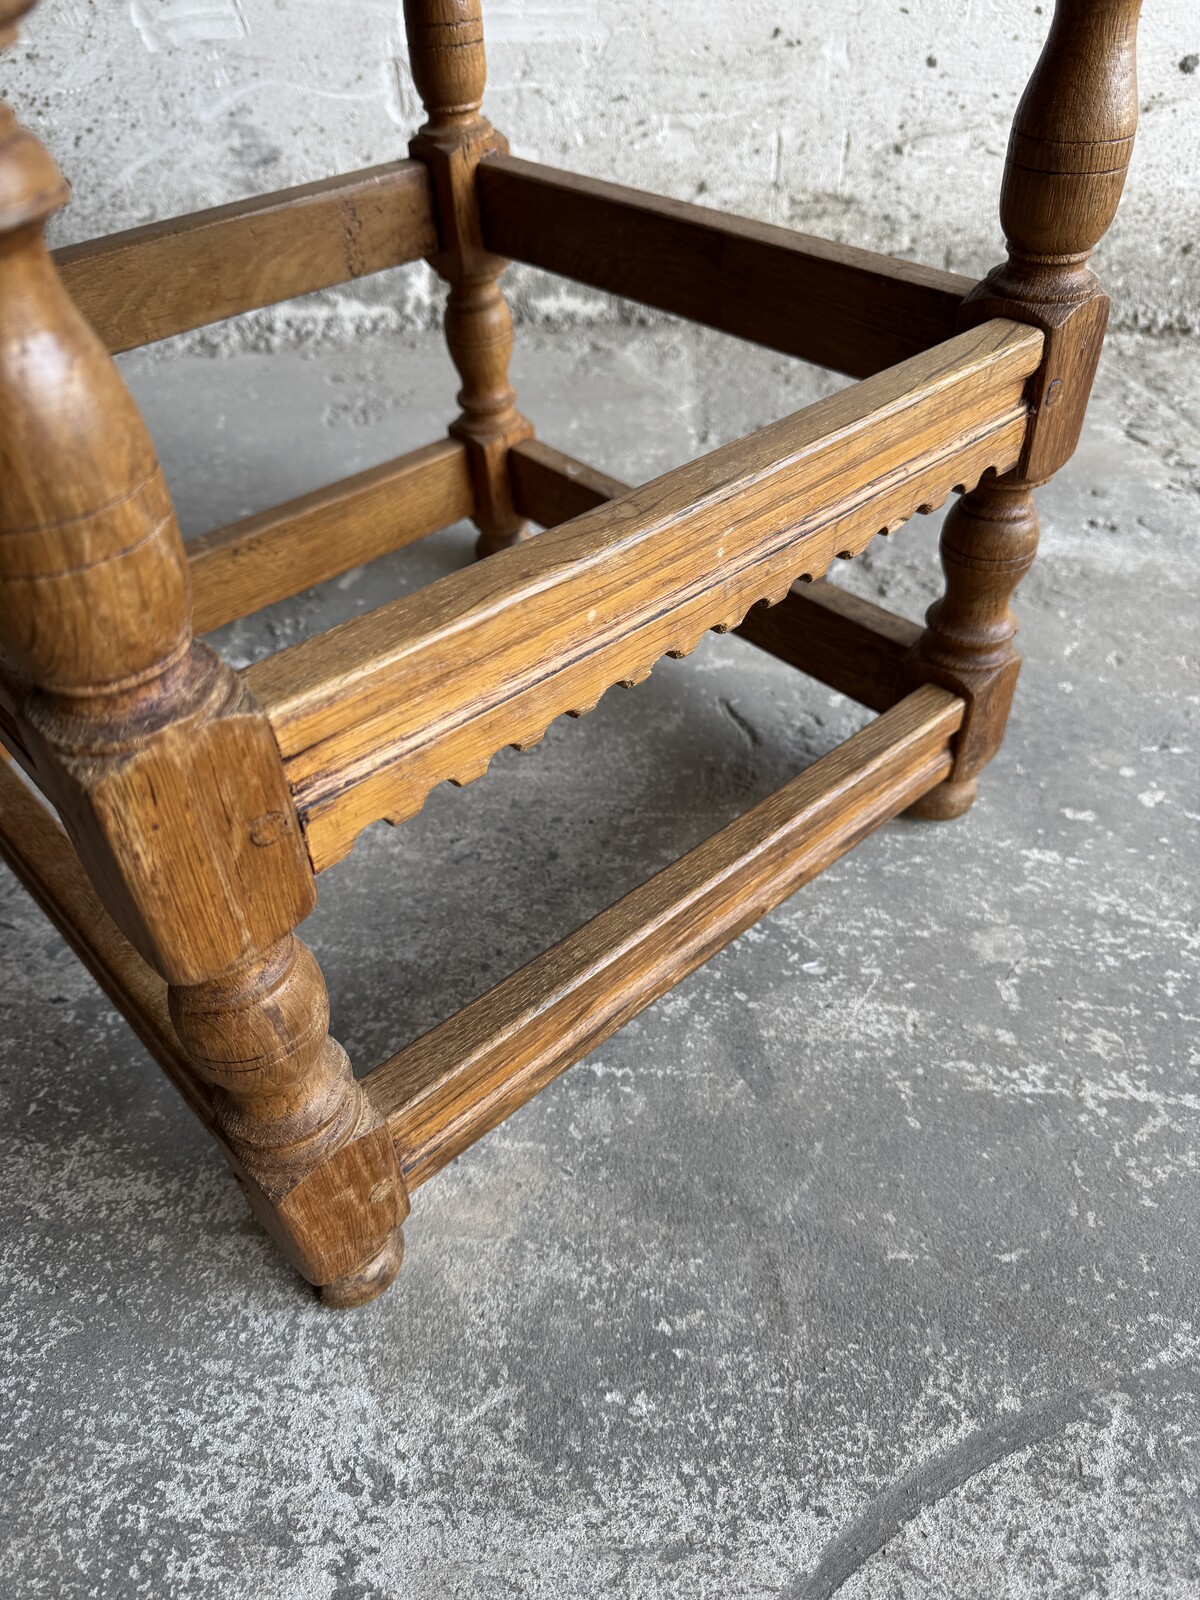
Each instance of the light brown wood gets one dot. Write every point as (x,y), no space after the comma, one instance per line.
(988,543)
(252,563)
(550,487)
(163,770)
(38,852)
(1066,165)
(1065,169)
(11,12)
(852,645)
(372,714)
(197,813)
(168,277)
(445,47)
(831,304)
(455,1083)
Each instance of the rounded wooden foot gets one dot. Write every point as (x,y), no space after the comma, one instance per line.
(359,1288)
(488,543)
(947,801)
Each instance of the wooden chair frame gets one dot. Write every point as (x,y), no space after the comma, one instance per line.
(197,804)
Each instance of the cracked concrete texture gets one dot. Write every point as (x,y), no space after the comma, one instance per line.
(875,122)
(865,1263)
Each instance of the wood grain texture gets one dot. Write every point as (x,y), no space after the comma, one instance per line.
(461,1079)
(988,543)
(238,569)
(152,282)
(372,714)
(1063,176)
(163,770)
(445,47)
(848,643)
(851,644)
(1065,169)
(41,857)
(837,306)
(551,487)
(257,1049)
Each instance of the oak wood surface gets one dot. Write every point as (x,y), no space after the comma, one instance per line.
(162,768)
(849,643)
(835,305)
(447,1088)
(1064,172)
(184,796)
(1067,158)
(165,278)
(372,714)
(238,569)
(551,487)
(446,55)
(41,857)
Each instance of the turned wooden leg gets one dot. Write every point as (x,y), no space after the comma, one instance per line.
(163,768)
(988,543)
(445,43)
(302,1133)
(1066,164)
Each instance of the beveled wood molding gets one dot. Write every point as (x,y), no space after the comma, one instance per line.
(372,714)
(197,804)
(455,1083)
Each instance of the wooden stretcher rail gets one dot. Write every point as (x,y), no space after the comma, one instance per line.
(34,846)
(239,569)
(837,306)
(455,1083)
(168,277)
(371,715)
(851,644)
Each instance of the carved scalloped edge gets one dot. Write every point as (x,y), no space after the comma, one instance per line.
(631,676)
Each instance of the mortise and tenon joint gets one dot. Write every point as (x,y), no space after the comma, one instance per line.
(191,807)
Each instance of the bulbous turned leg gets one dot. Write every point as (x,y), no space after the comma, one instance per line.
(988,543)
(445,49)
(312,1153)
(479,336)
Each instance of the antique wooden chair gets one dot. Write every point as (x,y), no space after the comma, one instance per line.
(197,803)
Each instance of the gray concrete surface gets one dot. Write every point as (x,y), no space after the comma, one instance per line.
(878,122)
(864,1264)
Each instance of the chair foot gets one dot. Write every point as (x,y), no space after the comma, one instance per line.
(947,801)
(488,543)
(367,1284)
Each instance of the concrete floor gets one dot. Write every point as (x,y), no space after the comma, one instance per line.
(863,1264)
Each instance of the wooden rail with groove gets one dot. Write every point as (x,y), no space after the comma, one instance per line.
(455,1083)
(168,277)
(851,644)
(238,569)
(371,715)
(840,307)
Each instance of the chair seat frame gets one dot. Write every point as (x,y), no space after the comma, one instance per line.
(180,811)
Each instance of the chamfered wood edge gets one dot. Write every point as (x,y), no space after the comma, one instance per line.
(42,858)
(358,739)
(238,569)
(849,309)
(461,1079)
(841,640)
(168,277)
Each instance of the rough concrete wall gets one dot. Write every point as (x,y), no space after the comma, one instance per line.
(869,121)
